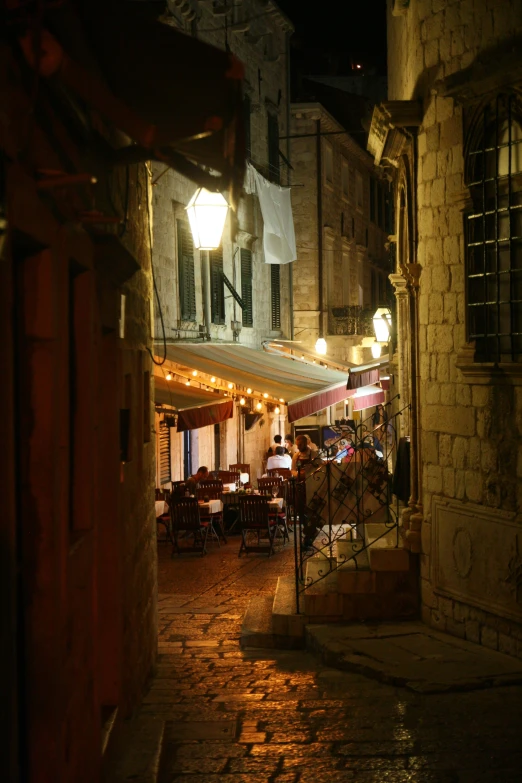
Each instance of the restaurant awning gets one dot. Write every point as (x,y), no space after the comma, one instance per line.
(306,388)
(366,374)
(195,407)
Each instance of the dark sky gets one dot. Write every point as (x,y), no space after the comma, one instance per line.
(340,33)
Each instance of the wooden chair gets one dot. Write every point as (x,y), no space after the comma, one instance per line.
(255,518)
(184,518)
(178,489)
(285,473)
(265,484)
(229,476)
(213,490)
(240,467)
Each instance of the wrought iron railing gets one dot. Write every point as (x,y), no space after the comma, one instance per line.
(332,502)
(350,320)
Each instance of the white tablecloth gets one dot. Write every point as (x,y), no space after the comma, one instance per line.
(244,478)
(230,487)
(162,507)
(212,507)
(275,503)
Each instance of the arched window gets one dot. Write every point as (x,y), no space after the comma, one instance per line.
(494,233)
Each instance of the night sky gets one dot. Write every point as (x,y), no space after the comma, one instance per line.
(333,35)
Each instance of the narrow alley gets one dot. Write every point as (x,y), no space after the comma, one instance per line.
(261,716)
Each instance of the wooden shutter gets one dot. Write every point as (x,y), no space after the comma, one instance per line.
(273,147)
(164,453)
(187,286)
(246,287)
(217,288)
(275,280)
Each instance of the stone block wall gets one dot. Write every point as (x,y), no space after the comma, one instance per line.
(470,425)
(346,228)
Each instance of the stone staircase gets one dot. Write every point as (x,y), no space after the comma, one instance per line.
(379,582)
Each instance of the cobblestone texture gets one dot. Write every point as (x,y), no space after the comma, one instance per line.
(285,717)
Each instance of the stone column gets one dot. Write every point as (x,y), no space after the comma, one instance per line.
(402,296)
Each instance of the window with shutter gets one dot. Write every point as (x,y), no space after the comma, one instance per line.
(164,453)
(275,279)
(273,147)
(217,288)
(246,287)
(187,286)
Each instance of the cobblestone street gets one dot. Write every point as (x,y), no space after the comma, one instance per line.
(256,716)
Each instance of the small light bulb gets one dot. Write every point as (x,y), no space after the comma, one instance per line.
(259,406)
(187,383)
(212,380)
(230,385)
(302,357)
(169,376)
(277,410)
(242,401)
(249,391)
(281,399)
(265,395)
(194,373)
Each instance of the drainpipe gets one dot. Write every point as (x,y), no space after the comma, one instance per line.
(205,286)
(288,146)
(320,226)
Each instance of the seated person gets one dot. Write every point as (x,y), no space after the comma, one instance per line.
(304,452)
(193,481)
(279,460)
(277,442)
(291,448)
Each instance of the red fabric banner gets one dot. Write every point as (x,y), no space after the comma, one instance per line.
(315,402)
(358,379)
(194,418)
(368,401)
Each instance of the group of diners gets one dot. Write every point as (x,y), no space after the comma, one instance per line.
(287,456)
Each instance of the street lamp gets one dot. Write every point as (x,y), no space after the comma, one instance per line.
(382,322)
(320,346)
(207,213)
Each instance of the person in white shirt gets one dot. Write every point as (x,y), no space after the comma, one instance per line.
(279,460)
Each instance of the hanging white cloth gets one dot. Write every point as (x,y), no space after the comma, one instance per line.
(276,208)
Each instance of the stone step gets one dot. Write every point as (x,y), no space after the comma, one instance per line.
(285,620)
(389,559)
(135,752)
(260,630)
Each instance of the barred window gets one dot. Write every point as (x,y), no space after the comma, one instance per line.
(494,234)
(275,283)
(164,452)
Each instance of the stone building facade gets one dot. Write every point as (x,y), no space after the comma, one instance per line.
(257,32)
(341,213)
(451,134)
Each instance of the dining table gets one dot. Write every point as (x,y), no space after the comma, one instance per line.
(210,506)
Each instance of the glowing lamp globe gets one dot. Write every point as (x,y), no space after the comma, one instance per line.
(376,350)
(382,322)
(207,213)
(320,346)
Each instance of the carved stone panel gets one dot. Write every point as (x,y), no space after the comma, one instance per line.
(477,556)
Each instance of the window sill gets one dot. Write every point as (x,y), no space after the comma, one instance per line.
(487,373)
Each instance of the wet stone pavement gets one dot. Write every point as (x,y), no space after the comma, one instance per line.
(261,716)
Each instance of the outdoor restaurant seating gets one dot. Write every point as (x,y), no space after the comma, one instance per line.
(185,518)
(229,476)
(255,518)
(240,467)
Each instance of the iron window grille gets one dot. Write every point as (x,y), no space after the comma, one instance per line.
(187,285)
(275,285)
(494,234)
(217,288)
(246,287)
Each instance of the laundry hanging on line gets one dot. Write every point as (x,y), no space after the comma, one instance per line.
(276,208)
